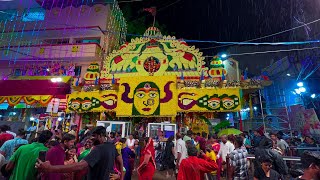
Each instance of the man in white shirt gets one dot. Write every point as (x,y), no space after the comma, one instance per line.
(74,129)
(130,142)
(181,150)
(226,147)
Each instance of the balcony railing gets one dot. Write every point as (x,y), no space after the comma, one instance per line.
(51,52)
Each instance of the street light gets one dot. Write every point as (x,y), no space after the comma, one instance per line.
(300,84)
(297,91)
(288,74)
(302,89)
(223,55)
(313,96)
(54,80)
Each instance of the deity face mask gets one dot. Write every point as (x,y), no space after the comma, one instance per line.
(210,102)
(229,102)
(214,103)
(83,105)
(147,99)
(86,105)
(74,104)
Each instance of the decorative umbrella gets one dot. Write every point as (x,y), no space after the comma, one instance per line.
(229,131)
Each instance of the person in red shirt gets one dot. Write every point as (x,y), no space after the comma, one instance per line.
(203,141)
(57,155)
(194,168)
(4,136)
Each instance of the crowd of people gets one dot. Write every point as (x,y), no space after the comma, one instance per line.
(231,154)
(92,153)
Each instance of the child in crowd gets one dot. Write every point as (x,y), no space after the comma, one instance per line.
(137,148)
(212,155)
(71,157)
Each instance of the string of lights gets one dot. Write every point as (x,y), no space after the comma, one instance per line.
(217,42)
(226,43)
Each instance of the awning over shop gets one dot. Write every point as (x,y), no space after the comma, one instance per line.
(33,87)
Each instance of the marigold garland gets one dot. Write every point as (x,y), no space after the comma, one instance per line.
(29,100)
(14,100)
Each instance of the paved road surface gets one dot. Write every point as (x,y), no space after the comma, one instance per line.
(157,176)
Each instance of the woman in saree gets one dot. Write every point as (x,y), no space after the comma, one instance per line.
(147,165)
(84,151)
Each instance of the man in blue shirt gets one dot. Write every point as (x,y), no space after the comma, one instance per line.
(8,147)
(256,138)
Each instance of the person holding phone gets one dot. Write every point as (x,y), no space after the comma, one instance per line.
(100,161)
(57,155)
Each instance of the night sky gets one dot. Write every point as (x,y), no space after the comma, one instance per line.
(236,21)
(229,20)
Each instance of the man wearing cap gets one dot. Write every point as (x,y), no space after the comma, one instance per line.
(311,164)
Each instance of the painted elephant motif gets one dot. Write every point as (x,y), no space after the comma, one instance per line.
(108,101)
(187,101)
(183,60)
(120,63)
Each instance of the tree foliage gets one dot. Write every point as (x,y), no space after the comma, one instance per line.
(138,22)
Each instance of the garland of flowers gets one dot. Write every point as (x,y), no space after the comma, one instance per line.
(2,99)
(14,100)
(45,100)
(29,100)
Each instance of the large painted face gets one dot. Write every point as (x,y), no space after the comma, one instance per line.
(147,99)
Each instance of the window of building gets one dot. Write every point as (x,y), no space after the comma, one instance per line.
(35,14)
(9,15)
(77,71)
(89,40)
(17,72)
(55,41)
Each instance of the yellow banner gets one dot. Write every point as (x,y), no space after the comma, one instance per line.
(203,100)
(147,96)
(154,96)
(92,101)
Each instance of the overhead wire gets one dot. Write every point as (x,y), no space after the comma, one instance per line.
(270,35)
(130,1)
(248,42)
(160,9)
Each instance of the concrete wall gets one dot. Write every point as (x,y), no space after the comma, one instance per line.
(82,16)
(67,23)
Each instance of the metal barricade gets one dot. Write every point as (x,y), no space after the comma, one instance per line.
(251,157)
(297,151)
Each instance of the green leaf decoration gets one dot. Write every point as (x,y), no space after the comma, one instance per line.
(221,125)
(205,120)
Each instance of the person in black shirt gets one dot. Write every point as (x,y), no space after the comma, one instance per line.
(310,161)
(264,149)
(266,172)
(100,161)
